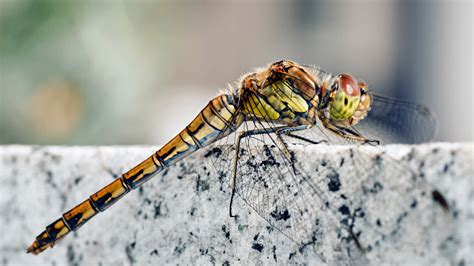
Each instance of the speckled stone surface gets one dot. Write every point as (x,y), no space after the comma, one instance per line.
(181,216)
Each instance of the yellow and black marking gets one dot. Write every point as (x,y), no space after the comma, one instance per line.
(143,172)
(107,196)
(277,102)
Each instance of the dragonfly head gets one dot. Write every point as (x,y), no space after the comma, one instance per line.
(349,101)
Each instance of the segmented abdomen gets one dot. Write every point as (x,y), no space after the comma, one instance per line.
(218,119)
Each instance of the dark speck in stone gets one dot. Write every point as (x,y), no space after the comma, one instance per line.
(291,255)
(344,210)
(345,221)
(179,248)
(446,168)
(216,152)
(71,256)
(378,159)
(334,183)
(400,218)
(77,180)
(410,155)
(280,215)
(359,212)
(342,162)
(226,232)
(376,188)
(439,198)
(256,237)
(157,208)
(128,252)
(257,246)
(201,185)
(274,253)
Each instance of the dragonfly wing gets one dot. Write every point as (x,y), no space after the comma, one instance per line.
(395,121)
(292,202)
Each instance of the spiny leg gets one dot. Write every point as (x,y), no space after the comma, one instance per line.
(288,154)
(306,139)
(240,136)
(346,132)
(288,132)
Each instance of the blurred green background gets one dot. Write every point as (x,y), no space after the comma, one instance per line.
(136,72)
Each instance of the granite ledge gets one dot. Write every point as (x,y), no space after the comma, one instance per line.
(181,216)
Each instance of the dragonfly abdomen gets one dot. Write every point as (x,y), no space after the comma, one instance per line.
(97,202)
(218,119)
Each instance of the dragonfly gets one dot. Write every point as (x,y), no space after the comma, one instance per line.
(284,100)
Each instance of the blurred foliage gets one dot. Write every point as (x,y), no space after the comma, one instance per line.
(30,33)
(28,21)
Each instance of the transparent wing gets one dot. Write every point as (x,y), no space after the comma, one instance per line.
(395,121)
(266,181)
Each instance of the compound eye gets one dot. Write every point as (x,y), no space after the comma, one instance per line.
(347,98)
(349,85)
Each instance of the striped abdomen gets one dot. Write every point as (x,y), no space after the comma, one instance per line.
(218,119)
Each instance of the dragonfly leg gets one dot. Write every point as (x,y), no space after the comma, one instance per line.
(288,132)
(347,133)
(240,136)
(306,139)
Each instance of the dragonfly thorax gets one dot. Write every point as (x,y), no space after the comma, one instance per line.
(283,94)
